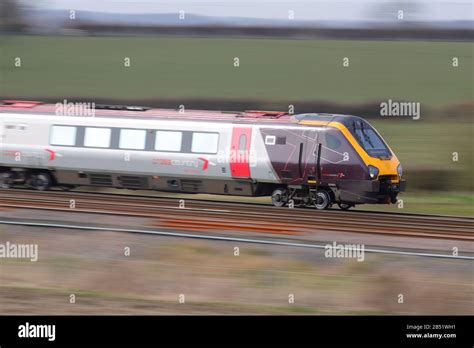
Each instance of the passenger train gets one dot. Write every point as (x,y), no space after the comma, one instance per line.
(308,159)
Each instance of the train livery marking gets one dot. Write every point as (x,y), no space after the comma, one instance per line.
(52,154)
(240,149)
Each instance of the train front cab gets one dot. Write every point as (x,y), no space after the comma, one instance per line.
(383,171)
(373,173)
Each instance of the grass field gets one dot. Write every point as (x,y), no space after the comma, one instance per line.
(426,152)
(270,69)
(92,266)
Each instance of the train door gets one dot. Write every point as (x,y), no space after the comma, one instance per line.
(240,152)
(311,155)
(2,139)
(1,133)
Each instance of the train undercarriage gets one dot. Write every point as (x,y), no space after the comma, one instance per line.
(37,179)
(315,196)
(310,196)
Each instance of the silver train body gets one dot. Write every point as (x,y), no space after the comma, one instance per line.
(312,159)
(26,143)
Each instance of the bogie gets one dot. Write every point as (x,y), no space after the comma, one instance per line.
(40,181)
(280,197)
(6,179)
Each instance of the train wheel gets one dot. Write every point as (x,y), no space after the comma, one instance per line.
(41,181)
(6,180)
(323,200)
(344,206)
(279,197)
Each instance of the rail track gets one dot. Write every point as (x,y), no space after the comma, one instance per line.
(208,216)
(83,227)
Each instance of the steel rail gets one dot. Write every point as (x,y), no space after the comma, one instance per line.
(404,252)
(269,219)
(221,203)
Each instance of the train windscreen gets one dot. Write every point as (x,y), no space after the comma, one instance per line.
(370,140)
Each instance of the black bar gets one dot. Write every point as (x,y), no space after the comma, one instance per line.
(224,330)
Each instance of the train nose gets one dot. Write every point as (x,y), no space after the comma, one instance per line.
(389,188)
(391,183)
(396,187)
(388,167)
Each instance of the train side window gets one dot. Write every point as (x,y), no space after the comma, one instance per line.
(242,142)
(205,143)
(270,140)
(22,127)
(133,139)
(63,135)
(97,137)
(332,142)
(281,140)
(168,141)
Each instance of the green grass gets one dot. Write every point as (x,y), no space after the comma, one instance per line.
(426,149)
(131,301)
(429,144)
(270,69)
(423,202)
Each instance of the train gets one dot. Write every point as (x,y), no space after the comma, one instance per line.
(310,159)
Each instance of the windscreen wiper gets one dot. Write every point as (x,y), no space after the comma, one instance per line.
(366,137)
(355,133)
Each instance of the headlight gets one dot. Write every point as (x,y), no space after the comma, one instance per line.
(400,170)
(373,172)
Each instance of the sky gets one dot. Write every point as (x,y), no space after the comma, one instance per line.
(364,10)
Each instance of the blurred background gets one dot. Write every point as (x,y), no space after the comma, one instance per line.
(289,53)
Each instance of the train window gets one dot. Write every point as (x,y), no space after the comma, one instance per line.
(242,142)
(371,142)
(168,141)
(270,140)
(22,127)
(133,139)
(332,141)
(205,142)
(63,135)
(281,140)
(97,137)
